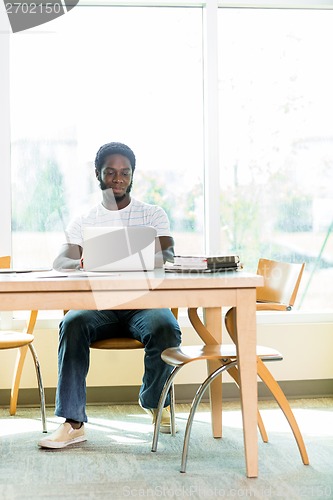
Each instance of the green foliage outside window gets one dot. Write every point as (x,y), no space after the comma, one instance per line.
(40,203)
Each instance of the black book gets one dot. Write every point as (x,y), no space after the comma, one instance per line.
(207,261)
(223,260)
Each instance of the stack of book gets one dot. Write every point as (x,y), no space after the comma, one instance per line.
(213,263)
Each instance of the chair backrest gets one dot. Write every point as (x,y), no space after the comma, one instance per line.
(281,283)
(5,262)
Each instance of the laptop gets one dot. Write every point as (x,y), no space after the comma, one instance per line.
(119,248)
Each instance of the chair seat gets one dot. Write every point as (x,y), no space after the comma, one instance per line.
(117,343)
(177,356)
(11,339)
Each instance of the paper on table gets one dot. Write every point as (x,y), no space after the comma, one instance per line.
(70,273)
(11,270)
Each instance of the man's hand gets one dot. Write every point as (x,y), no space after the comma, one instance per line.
(68,258)
(166,244)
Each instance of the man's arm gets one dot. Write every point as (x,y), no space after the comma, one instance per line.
(167,248)
(68,258)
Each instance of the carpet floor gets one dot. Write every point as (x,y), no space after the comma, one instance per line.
(116,461)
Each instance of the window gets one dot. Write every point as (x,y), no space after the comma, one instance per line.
(96,75)
(135,74)
(276,141)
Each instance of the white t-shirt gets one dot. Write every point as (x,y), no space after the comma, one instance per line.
(137,213)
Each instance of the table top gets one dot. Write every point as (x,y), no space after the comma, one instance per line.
(151,280)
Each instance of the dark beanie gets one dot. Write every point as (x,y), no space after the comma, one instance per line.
(114,148)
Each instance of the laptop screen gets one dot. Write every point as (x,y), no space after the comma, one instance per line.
(119,248)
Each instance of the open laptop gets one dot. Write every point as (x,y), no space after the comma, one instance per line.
(119,248)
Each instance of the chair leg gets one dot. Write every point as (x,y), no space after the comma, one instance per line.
(19,364)
(172,410)
(40,386)
(20,358)
(194,405)
(262,428)
(164,393)
(282,401)
(233,372)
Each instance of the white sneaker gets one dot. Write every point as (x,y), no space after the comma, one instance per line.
(65,435)
(165,426)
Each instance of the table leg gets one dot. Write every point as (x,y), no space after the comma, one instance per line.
(213,321)
(247,365)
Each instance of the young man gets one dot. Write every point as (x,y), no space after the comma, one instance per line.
(157,329)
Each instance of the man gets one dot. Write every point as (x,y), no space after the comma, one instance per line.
(157,329)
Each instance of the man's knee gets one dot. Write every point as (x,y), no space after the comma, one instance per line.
(73,324)
(168,333)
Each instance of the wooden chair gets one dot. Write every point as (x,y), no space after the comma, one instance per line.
(281,283)
(23,341)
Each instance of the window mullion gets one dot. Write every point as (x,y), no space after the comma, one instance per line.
(211,135)
(5,185)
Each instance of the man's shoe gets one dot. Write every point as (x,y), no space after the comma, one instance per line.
(65,435)
(165,426)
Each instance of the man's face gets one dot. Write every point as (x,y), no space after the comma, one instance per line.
(116,174)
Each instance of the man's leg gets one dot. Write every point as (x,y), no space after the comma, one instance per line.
(77,331)
(157,329)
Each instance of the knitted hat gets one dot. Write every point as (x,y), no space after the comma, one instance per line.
(114,148)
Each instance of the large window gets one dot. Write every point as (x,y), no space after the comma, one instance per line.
(93,76)
(138,75)
(276,141)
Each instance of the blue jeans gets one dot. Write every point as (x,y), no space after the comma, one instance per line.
(157,329)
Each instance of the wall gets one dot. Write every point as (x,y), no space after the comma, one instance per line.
(307,350)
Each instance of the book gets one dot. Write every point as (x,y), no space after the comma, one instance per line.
(211,263)
(206,262)
(172,269)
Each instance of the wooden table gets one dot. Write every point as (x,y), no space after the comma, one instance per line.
(157,289)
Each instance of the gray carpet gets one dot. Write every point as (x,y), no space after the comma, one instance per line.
(116,461)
